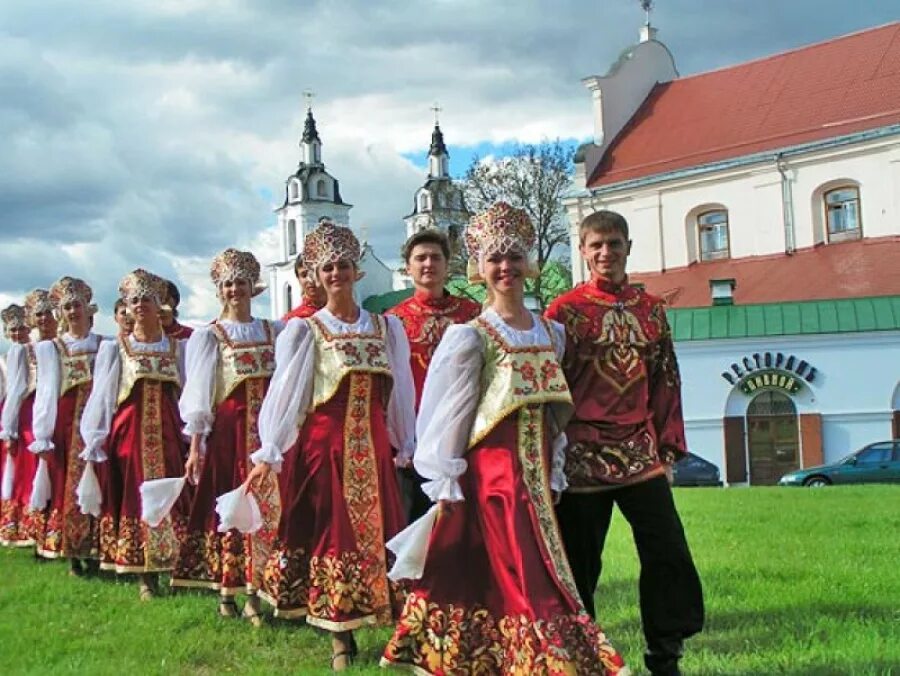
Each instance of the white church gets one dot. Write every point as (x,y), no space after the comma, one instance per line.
(311,195)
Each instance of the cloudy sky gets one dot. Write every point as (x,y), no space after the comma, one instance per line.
(155,133)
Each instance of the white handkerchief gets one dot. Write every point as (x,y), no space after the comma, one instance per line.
(41,488)
(157,498)
(88,493)
(237,509)
(9,474)
(410,546)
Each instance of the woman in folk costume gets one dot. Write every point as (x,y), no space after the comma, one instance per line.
(16,330)
(491,448)
(20,524)
(343,382)
(131,422)
(65,375)
(228,367)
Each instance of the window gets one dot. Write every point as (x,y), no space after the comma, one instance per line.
(423,201)
(321,189)
(874,454)
(712,227)
(842,213)
(288,298)
(294,190)
(292,237)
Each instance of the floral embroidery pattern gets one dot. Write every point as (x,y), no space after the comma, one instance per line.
(451,640)
(361,493)
(535,475)
(124,540)
(160,543)
(588,463)
(80,533)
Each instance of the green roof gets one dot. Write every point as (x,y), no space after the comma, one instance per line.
(849,315)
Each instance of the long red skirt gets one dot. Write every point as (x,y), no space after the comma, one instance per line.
(497,595)
(341,504)
(145,442)
(68,532)
(19,523)
(229,562)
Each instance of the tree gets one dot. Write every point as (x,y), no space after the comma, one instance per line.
(533,178)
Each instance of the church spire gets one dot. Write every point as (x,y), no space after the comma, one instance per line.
(438,157)
(648,32)
(310,133)
(310,143)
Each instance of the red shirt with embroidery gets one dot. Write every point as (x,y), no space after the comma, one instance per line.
(425,320)
(306,309)
(178,331)
(621,367)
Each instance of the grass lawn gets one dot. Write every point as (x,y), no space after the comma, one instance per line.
(797,581)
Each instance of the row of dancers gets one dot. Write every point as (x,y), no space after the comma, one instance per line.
(418,469)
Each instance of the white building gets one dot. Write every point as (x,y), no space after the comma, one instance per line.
(311,195)
(775,186)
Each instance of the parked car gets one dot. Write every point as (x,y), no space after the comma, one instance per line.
(875,463)
(695,471)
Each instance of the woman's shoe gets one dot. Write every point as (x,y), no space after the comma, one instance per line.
(341,661)
(252,612)
(227,607)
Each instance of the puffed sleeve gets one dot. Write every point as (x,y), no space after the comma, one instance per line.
(17,373)
(2,380)
(289,395)
(100,408)
(558,481)
(46,396)
(401,413)
(447,410)
(195,404)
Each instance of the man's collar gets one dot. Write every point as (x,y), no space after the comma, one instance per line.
(606,285)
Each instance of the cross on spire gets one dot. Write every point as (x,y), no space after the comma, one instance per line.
(647,6)
(437,110)
(309,95)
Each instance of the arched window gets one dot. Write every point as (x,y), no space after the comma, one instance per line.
(292,237)
(321,188)
(842,214)
(423,201)
(712,231)
(294,190)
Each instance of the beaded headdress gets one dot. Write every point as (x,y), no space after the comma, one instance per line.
(330,243)
(68,289)
(140,284)
(13,317)
(500,229)
(232,264)
(36,302)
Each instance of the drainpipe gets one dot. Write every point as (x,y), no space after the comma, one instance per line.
(662,241)
(787,205)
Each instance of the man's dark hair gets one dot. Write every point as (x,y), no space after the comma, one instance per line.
(603,221)
(298,265)
(174,295)
(427,236)
(120,302)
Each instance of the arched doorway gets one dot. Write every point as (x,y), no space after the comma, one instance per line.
(773,439)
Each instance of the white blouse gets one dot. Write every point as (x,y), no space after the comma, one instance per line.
(201,360)
(290,392)
(450,400)
(48,385)
(100,408)
(17,385)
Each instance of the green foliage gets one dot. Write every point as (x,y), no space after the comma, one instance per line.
(797,581)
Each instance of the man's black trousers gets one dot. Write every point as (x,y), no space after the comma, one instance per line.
(671,597)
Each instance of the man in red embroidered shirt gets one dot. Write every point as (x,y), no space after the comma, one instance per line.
(312,297)
(627,431)
(168,315)
(426,316)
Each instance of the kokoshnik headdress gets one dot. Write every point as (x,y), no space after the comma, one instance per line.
(37,302)
(68,289)
(500,229)
(141,284)
(232,264)
(330,243)
(13,317)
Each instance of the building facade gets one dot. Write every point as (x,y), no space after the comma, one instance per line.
(763,202)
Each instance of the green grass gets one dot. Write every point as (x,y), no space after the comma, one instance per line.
(797,581)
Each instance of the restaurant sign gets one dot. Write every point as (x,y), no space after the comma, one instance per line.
(770,370)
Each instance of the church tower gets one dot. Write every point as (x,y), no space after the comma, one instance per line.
(310,195)
(439,203)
